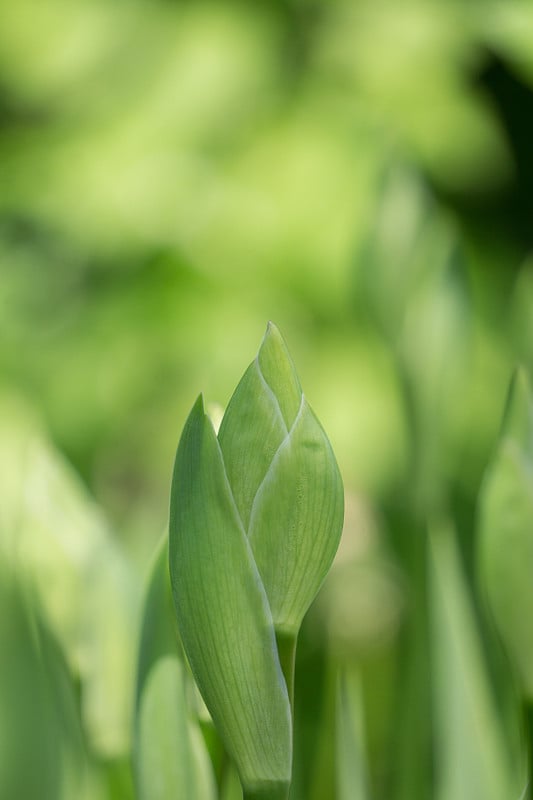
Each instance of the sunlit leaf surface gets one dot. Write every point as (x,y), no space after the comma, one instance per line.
(223,614)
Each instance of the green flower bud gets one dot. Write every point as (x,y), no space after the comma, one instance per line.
(285,481)
(255,520)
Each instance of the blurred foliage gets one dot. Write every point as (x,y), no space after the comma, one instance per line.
(173,175)
(52,535)
(506,529)
(170,757)
(477,755)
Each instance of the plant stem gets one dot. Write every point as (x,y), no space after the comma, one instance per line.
(287,657)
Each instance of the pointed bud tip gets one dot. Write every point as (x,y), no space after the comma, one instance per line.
(197,412)
(273,338)
(199,403)
(210,416)
(271,330)
(520,379)
(518,415)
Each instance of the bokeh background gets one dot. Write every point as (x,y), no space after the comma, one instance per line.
(172,176)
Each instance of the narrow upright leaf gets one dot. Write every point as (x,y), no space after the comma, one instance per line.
(477,759)
(59,538)
(170,757)
(43,752)
(352,779)
(505,545)
(223,614)
(518,418)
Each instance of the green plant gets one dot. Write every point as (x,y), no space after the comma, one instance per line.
(255,520)
(505,545)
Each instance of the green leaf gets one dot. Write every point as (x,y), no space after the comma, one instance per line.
(505,544)
(296,520)
(252,429)
(55,533)
(414,284)
(163,758)
(170,757)
(477,757)
(280,374)
(43,753)
(352,781)
(518,418)
(223,614)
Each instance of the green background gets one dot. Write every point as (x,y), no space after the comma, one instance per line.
(172,176)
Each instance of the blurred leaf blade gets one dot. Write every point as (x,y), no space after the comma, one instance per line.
(43,753)
(505,535)
(352,778)
(170,757)
(475,759)
(518,417)
(52,532)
